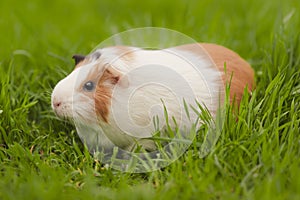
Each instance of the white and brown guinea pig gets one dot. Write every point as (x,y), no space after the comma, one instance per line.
(114,93)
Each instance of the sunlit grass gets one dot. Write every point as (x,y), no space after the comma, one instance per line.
(257,155)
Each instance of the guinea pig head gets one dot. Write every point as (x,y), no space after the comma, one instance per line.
(84,96)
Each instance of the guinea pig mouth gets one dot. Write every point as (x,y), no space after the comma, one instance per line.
(76,113)
(63,114)
(62,109)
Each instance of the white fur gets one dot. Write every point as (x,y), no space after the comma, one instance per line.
(153,77)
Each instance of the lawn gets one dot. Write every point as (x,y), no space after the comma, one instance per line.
(256,157)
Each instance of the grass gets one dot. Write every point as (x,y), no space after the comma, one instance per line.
(256,157)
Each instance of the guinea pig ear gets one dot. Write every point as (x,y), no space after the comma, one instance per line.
(78,58)
(116,77)
(96,55)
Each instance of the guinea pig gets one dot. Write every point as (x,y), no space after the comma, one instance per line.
(115,94)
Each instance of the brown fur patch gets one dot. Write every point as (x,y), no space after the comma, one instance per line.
(239,73)
(103,93)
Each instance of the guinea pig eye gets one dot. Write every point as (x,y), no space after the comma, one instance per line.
(89,86)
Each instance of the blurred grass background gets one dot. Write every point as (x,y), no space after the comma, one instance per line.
(42,158)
